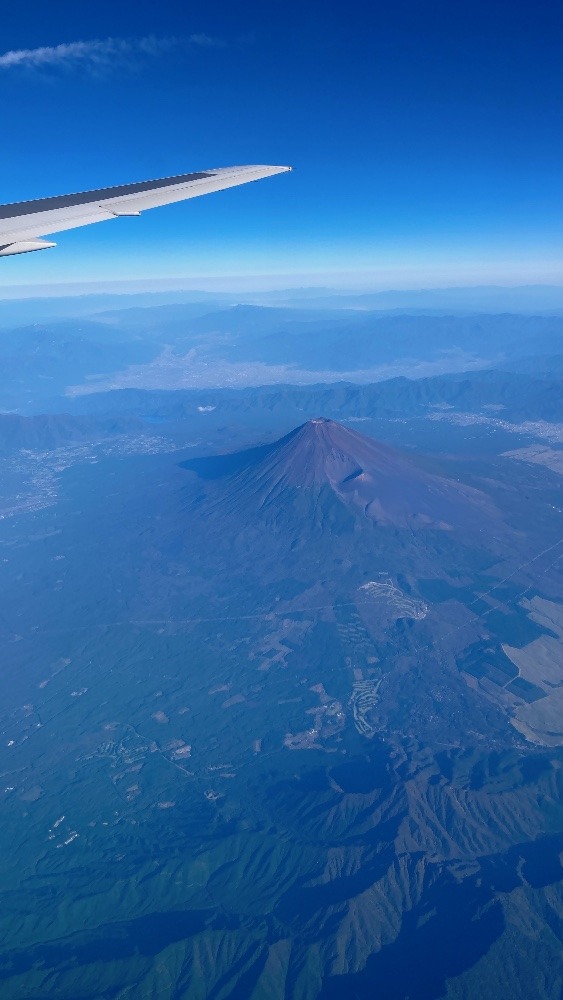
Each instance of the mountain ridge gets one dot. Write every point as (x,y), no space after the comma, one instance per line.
(387,486)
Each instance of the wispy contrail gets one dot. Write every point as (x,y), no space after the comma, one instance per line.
(101,53)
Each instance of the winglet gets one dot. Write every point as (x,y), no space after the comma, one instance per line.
(25,246)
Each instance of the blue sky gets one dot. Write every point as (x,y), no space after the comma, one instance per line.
(427,137)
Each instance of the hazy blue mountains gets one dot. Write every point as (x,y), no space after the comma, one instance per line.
(194,346)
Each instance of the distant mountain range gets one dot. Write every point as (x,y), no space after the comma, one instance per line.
(196,344)
(476,299)
(521,397)
(343,340)
(479,298)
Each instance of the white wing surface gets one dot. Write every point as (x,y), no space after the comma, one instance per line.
(22,224)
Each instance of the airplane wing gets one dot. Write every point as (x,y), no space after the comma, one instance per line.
(22,224)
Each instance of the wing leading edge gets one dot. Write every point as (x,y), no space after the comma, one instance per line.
(23,224)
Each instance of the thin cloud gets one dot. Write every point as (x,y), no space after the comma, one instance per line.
(207,42)
(100,54)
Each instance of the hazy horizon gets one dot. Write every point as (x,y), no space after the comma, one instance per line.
(321,283)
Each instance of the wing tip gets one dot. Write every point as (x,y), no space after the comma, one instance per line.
(266,169)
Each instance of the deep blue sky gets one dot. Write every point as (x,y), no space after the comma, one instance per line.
(427,137)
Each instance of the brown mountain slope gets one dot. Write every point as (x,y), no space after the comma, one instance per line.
(387,486)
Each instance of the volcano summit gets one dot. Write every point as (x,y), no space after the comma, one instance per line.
(387,486)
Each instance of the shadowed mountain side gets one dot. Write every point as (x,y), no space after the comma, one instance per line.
(389,488)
